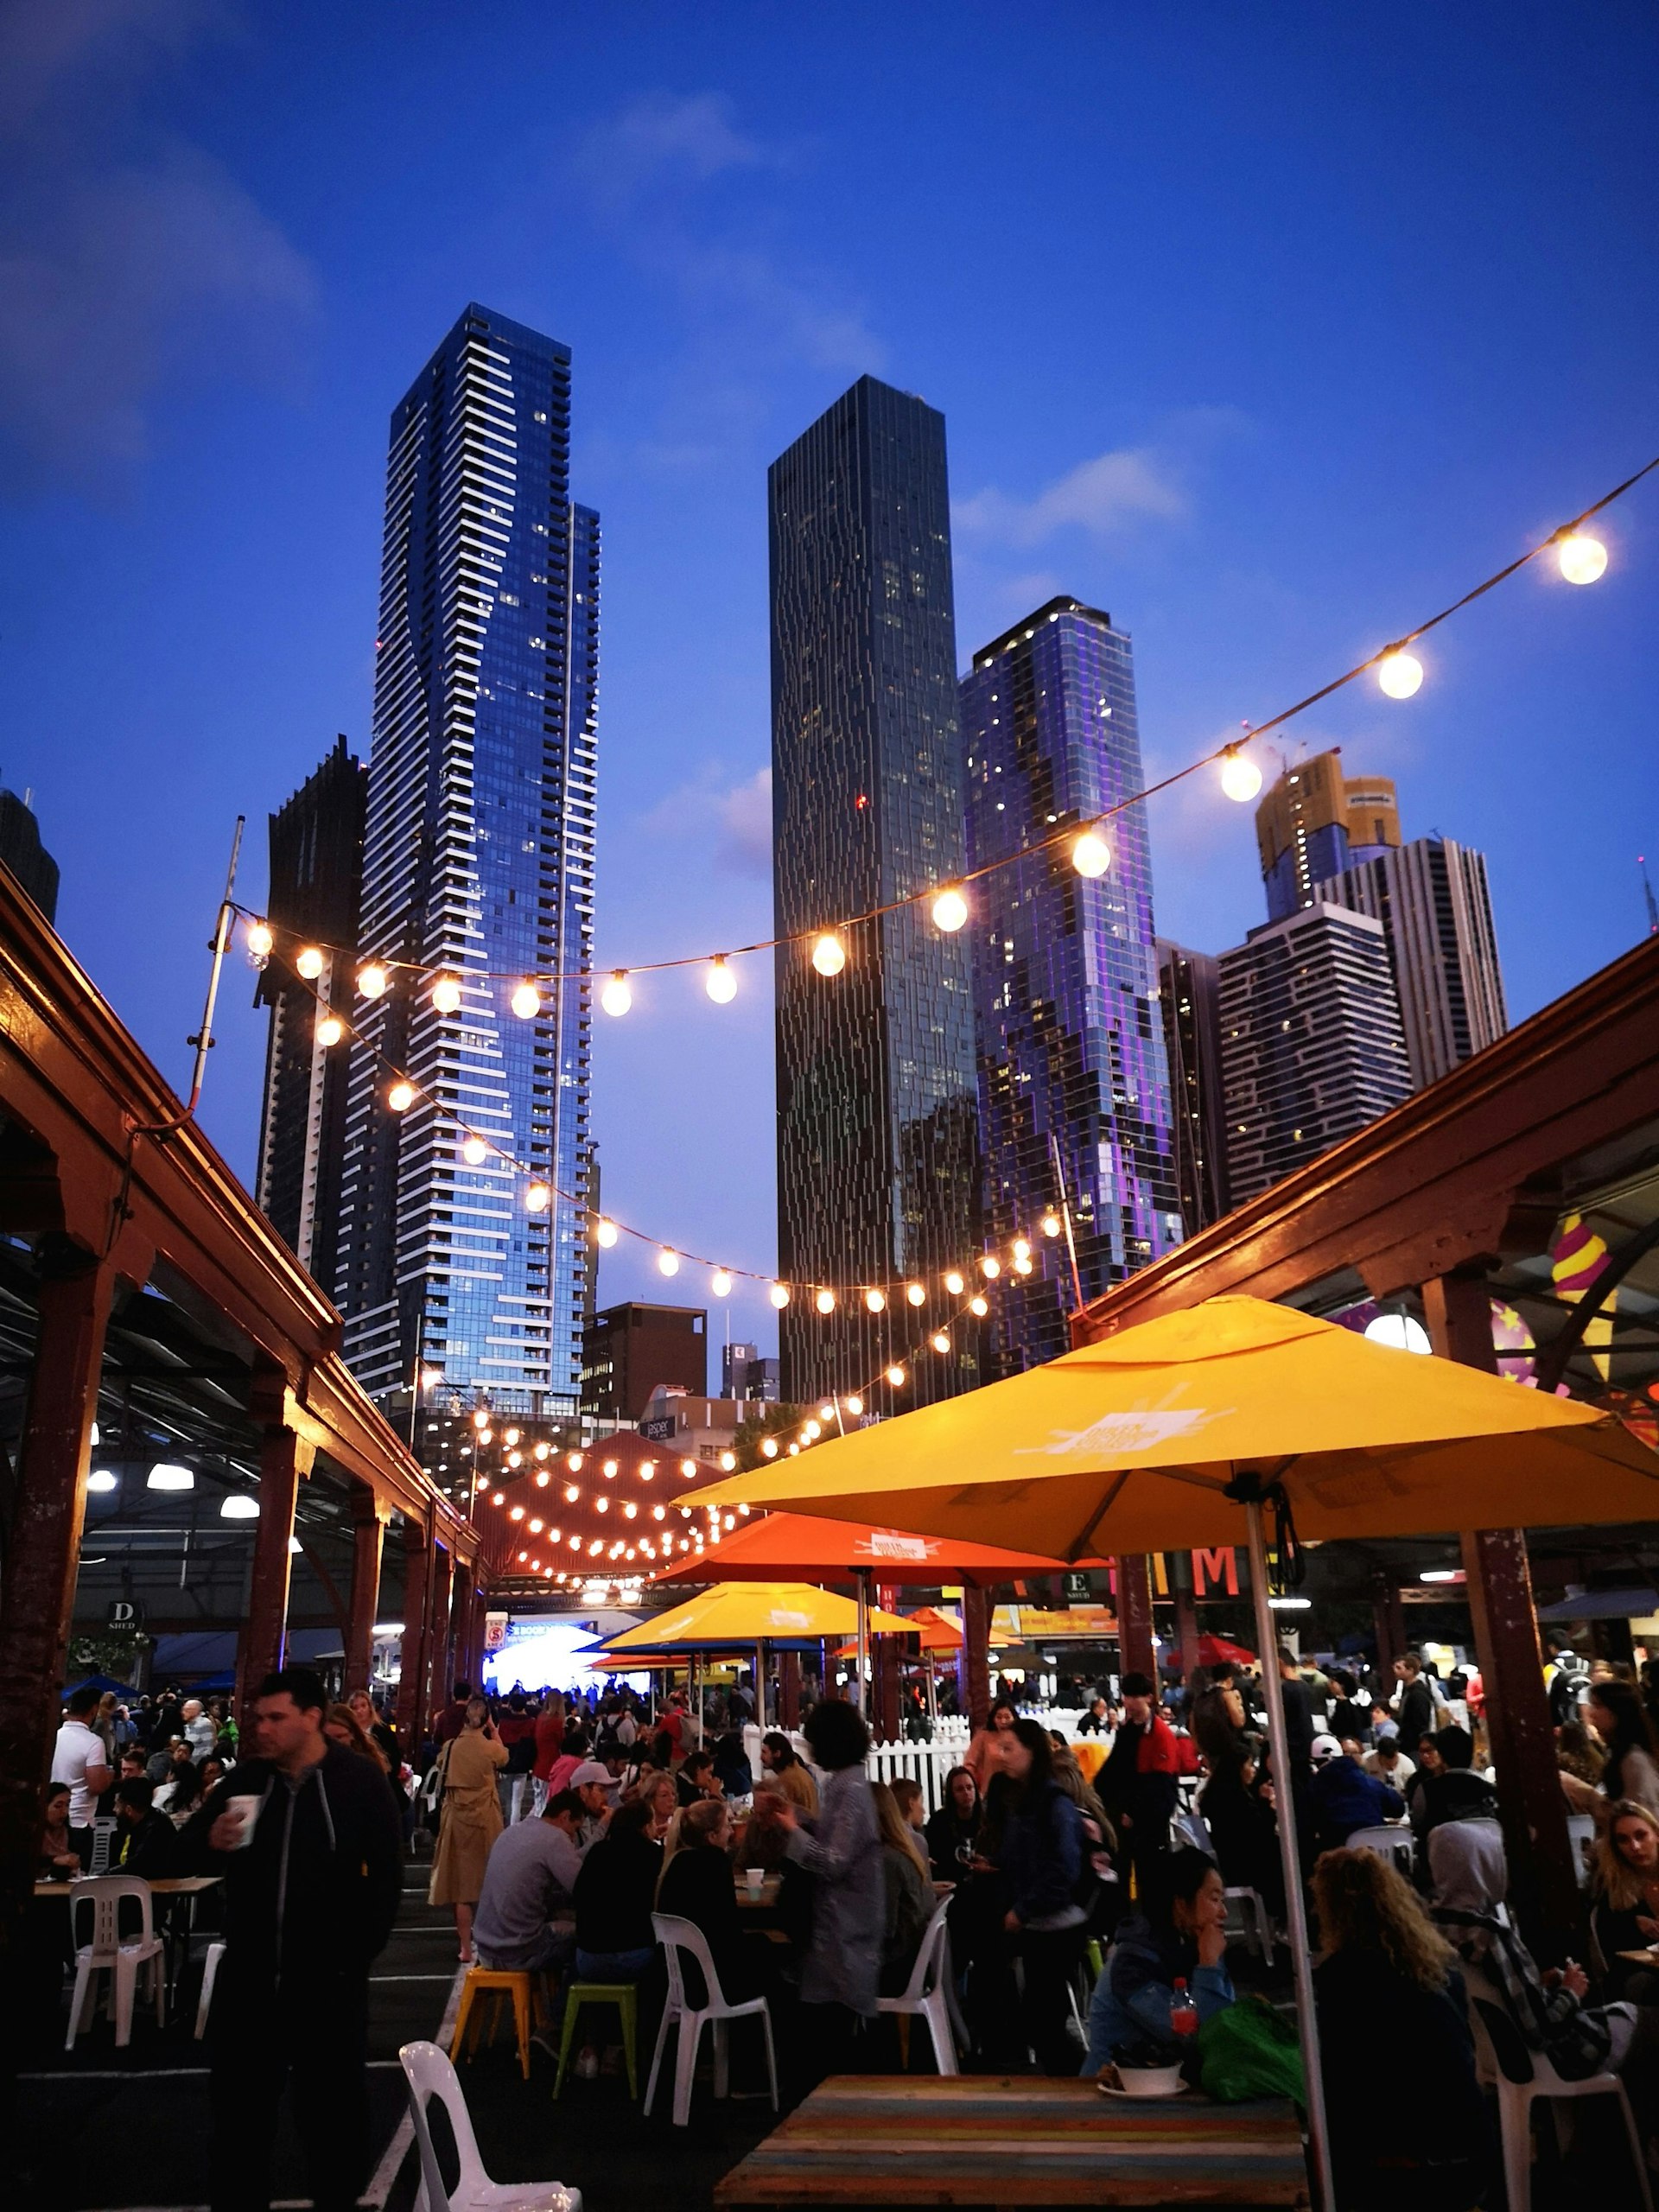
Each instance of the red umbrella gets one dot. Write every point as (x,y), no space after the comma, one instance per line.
(1214,1648)
(800,1547)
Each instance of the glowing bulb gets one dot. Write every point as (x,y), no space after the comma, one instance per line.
(498,1497)
(601,1505)
(1091,855)
(542,1451)
(474,1152)
(573,1462)
(779,1295)
(610,1470)
(825,1301)
(1022,1267)
(543,1478)
(854,1404)
(487,1435)
(515,1458)
(980,1305)
(990,1267)
(516,1514)
(330,1029)
(536,1198)
(1583,559)
(1400,673)
(728,1462)
(401,1097)
(1021,1249)
(769,1447)
(720,1283)
(826,1413)
(629,1511)
(794,1451)
(371,981)
(1051,1224)
(954,1284)
(480,1420)
(828,956)
(722,984)
(1240,778)
(261,942)
(915,1294)
(446,995)
(535,1525)
(812,1432)
(687,1468)
(668,1262)
(605,1233)
(896,1376)
(571,1494)
(949,910)
(875,1300)
(616,997)
(308,961)
(941,1342)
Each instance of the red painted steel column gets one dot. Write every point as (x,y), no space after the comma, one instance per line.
(417,1600)
(789,1689)
(1135,1648)
(460,1625)
(43,1555)
(975,1676)
(1530,1804)
(283,1459)
(368,1531)
(440,1665)
(1186,1631)
(1387,1622)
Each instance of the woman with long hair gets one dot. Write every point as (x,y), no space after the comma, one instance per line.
(841,1976)
(909,1890)
(697,1885)
(952,1832)
(1042,1856)
(1620,1719)
(1389,1981)
(469,1819)
(1625,1915)
(984,1755)
(1177,1934)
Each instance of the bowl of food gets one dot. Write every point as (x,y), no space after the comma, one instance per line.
(1142,2071)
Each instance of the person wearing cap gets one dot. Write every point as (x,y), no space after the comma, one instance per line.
(594,1783)
(1344,1797)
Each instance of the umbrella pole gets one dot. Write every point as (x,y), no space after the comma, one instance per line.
(1295,1911)
(864,1659)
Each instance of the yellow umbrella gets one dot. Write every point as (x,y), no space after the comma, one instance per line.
(1159,1439)
(747,1613)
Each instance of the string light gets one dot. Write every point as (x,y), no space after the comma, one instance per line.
(720,1283)
(309,962)
(1241,779)
(667,1262)
(896,1376)
(915,1294)
(401,1097)
(330,1029)
(778,1293)
(769,1447)
(854,1404)
(949,910)
(371,981)
(526,1001)
(1091,855)
(828,956)
(605,1233)
(722,984)
(941,1341)
(979,1305)
(616,997)
(954,1284)
(446,995)
(1582,559)
(1051,1224)
(825,1301)
(875,1300)
(1022,1267)
(474,1152)
(261,941)
(826,1413)
(537,1198)
(1400,673)
(990,1267)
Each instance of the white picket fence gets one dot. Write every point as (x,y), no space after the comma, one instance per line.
(927,1764)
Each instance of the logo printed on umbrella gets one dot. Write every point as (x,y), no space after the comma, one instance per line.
(1127,1431)
(884,1544)
(781,1617)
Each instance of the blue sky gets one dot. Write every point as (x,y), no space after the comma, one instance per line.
(1269,328)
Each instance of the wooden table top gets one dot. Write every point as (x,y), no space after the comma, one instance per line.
(1002,2139)
(172,1885)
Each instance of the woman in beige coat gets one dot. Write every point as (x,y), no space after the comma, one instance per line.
(469,1818)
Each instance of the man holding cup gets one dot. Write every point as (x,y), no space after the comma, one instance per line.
(306,1834)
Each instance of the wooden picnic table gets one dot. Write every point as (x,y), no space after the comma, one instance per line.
(1001,2140)
(168,1885)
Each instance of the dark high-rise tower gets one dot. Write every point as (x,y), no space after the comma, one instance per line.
(1073,1083)
(1189,999)
(316,887)
(480,862)
(877,1148)
(24,854)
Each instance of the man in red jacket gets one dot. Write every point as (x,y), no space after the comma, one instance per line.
(1137,1784)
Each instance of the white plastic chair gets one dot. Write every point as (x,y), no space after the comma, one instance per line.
(1520,2075)
(1581,1834)
(103,1833)
(209,1976)
(107,1953)
(1396,1845)
(926,1991)
(676,1935)
(428,2074)
(1248,1915)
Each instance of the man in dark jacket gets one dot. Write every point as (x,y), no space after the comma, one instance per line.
(1415,1711)
(1448,1788)
(1138,1783)
(1344,1797)
(309,1900)
(147,1843)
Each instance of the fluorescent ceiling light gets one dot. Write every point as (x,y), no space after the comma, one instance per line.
(387,1628)
(165,1476)
(1441,1574)
(95,1436)
(1291,1604)
(295,1545)
(237,1505)
(101,1479)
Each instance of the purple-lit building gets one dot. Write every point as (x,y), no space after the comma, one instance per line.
(1074,1089)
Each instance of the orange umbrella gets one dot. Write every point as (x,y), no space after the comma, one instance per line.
(804,1547)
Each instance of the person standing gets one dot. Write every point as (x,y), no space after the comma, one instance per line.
(469,1819)
(1042,1854)
(1138,1785)
(842,1848)
(198,1730)
(309,1900)
(1298,1750)
(1415,1708)
(80,1757)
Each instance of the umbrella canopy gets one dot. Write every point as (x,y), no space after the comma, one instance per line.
(1212,1649)
(752,1612)
(937,1631)
(786,1545)
(1134,1445)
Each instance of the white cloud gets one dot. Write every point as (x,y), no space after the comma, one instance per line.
(660,140)
(732,821)
(1098,496)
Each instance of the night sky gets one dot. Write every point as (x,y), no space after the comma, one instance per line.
(1267,327)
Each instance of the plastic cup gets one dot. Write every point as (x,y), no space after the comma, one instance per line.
(756,1878)
(244,1810)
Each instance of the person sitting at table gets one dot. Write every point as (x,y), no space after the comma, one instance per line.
(953,1831)
(912,1808)
(696,1778)
(1236,1803)
(1386,1762)
(732,1768)
(1617,1714)
(1096,1721)
(179,1798)
(699,1884)
(780,1769)
(1176,1935)
(908,1890)
(148,1843)
(1344,1797)
(58,1854)
(1450,1790)
(526,1920)
(615,1893)
(1388,1980)
(1626,1914)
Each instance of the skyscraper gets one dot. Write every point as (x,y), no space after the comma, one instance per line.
(1311,1046)
(1189,1000)
(315,891)
(1074,1094)
(1432,900)
(1313,822)
(877,1150)
(478,861)
(24,854)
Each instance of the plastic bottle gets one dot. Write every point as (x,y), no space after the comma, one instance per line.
(1183,2012)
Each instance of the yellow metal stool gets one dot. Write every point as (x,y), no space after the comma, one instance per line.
(626,1998)
(496,1982)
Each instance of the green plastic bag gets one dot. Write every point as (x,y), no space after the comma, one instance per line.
(1250,2050)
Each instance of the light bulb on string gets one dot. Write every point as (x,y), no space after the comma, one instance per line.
(990,1267)
(1051,1224)
(778,1295)
(915,1294)
(401,1097)
(1240,778)
(828,955)
(330,1029)
(896,1376)
(722,984)
(875,1300)
(261,941)
(769,1447)
(617,997)
(1021,1249)
(826,1413)
(811,1432)
(941,1341)
(954,1284)
(667,1262)
(371,981)
(825,1301)
(1582,560)
(527,1000)
(604,1232)
(309,962)
(446,995)
(949,910)
(980,1305)
(536,1198)
(474,1152)
(1091,855)
(854,1404)
(720,1283)
(1023,1267)
(1400,673)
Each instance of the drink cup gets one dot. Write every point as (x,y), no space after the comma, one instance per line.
(756,1878)
(244,1810)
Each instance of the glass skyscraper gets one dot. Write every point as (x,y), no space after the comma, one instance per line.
(479,860)
(1074,1092)
(877,1149)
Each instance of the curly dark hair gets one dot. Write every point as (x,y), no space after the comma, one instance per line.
(836,1732)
